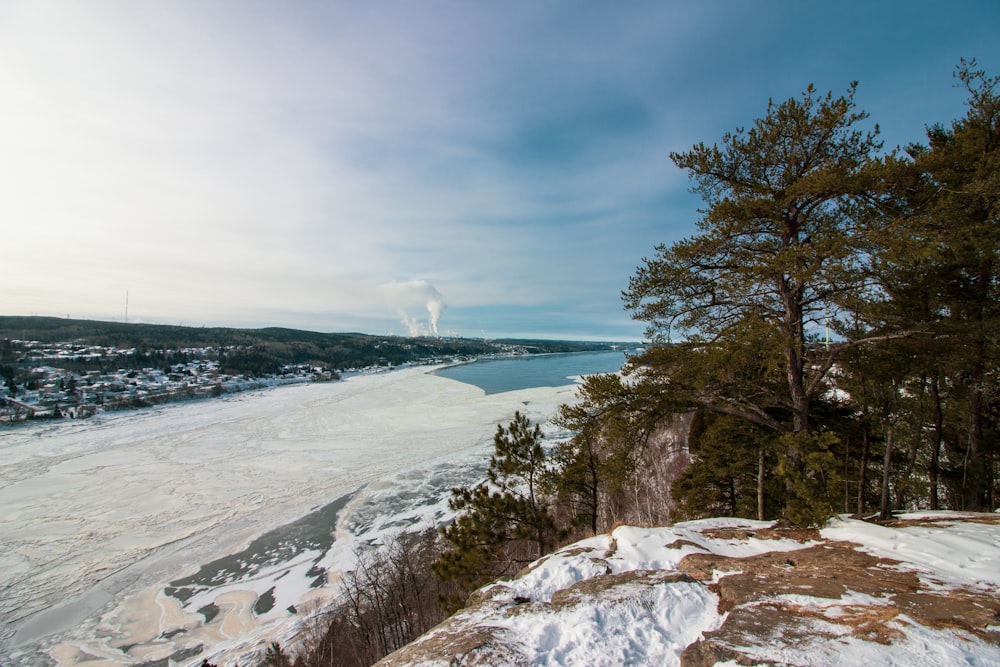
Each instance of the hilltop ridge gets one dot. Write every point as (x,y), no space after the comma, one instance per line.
(334,348)
(921,590)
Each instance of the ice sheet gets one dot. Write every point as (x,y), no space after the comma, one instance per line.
(99,515)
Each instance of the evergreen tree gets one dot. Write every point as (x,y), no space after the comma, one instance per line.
(579,480)
(596,476)
(504,524)
(937,266)
(517,468)
(781,239)
(784,242)
(962,163)
(728,475)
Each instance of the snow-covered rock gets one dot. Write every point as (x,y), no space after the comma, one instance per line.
(922,590)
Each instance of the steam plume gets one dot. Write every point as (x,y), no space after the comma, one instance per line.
(408,296)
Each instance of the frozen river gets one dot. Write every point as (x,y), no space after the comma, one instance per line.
(229,505)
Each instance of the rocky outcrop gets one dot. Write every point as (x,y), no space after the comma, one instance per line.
(810,599)
(776,601)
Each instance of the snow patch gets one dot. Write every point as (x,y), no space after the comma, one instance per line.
(946,553)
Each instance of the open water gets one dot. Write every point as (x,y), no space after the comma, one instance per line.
(496,376)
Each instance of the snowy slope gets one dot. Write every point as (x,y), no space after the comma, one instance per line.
(924,590)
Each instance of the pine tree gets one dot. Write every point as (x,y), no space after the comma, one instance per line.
(726,477)
(596,472)
(505,523)
(780,241)
(783,243)
(938,267)
(962,164)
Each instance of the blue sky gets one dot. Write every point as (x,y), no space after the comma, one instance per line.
(493,169)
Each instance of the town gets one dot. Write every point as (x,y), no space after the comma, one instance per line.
(57,384)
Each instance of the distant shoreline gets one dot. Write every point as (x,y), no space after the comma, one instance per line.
(23,413)
(52,368)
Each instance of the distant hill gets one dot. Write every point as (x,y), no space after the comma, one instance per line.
(269,348)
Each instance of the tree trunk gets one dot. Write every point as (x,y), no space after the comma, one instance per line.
(884,512)
(595,506)
(975,492)
(791,301)
(731,492)
(847,475)
(863,471)
(911,461)
(935,466)
(760,485)
(978,493)
(797,388)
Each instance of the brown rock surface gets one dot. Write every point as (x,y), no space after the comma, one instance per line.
(825,594)
(763,617)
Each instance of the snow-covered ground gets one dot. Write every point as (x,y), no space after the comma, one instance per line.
(925,594)
(227,502)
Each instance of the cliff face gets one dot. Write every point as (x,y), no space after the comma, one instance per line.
(924,590)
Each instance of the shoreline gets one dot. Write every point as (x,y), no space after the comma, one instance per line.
(137,403)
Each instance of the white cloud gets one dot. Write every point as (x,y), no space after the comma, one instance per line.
(246,162)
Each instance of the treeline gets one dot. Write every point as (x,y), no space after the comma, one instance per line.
(254,352)
(388,600)
(540,496)
(833,326)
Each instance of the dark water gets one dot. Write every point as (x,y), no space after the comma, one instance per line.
(313,531)
(495,376)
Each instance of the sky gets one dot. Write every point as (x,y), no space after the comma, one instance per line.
(461,168)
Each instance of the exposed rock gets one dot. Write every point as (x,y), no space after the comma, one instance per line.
(798,534)
(764,617)
(776,605)
(617,587)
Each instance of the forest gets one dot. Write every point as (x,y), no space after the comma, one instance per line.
(827,342)
(834,324)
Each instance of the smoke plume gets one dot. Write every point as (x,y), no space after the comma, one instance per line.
(406,297)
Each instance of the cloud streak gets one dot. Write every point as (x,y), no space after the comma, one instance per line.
(250,164)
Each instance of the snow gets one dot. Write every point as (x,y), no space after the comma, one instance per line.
(947,552)
(100,515)
(640,549)
(562,569)
(918,646)
(618,599)
(652,628)
(643,547)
